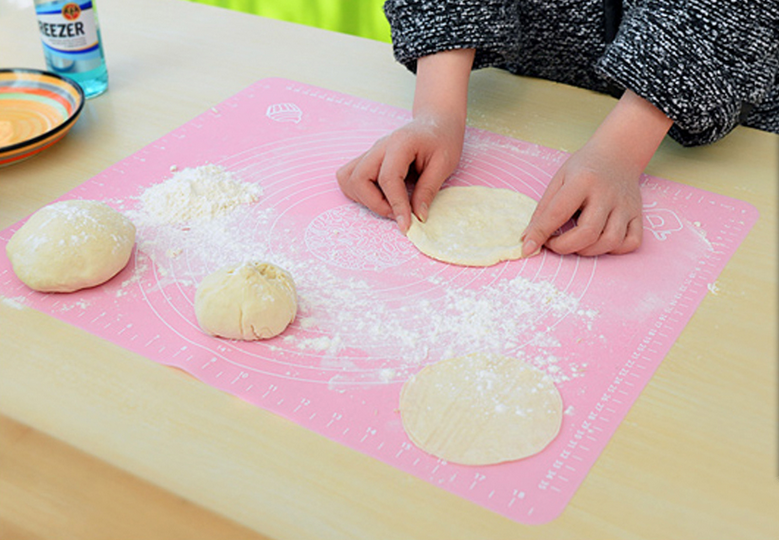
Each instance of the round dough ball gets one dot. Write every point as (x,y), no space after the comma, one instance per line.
(481,409)
(250,301)
(473,225)
(71,245)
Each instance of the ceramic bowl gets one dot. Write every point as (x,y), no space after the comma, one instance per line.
(37,109)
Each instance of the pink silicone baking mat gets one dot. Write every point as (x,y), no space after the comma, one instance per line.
(373,310)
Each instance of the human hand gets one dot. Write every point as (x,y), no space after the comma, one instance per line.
(601,182)
(432,145)
(604,188)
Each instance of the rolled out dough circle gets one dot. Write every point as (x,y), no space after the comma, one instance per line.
(473,225)
(71,245)
(481,409)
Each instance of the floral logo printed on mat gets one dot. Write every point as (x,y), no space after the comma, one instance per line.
(354,238)
(284,112)
(661,222)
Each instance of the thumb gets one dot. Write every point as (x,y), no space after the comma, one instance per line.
(554,210)
(532,240)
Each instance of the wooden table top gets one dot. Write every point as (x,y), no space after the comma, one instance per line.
(98,442)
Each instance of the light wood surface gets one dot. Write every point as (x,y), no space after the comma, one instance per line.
(98,442)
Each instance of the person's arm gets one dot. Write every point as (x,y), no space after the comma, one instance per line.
(432,142)
(600,181)
(698,61)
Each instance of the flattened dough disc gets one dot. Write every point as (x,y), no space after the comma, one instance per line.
(473,225)
(481,409)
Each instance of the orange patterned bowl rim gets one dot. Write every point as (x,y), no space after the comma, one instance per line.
(62,98)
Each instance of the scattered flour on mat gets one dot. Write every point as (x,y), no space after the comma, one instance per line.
(79,303)
(190,215)
(203,218)
(141,266)
(15,303)
(340,315)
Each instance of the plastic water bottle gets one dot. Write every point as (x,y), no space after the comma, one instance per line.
(71,42)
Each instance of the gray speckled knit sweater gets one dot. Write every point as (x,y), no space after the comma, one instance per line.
(707,64)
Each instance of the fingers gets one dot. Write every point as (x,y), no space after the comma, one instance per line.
(588,234)
(633,237)
(392,181)
(357,179)
(376,179)
(555,208)
(427,186)
(599,229)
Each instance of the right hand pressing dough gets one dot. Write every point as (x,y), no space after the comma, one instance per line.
(249,301)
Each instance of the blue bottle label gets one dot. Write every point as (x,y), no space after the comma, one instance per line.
(69,29)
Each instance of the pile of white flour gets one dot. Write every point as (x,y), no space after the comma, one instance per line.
(203,192)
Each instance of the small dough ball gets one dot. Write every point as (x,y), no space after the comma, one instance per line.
(71,245)
(249,301)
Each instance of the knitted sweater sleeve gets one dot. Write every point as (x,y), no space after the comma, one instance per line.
(702,62)
(424,27)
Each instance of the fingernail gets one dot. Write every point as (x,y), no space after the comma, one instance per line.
(401,221)
(423,212)
(529,248)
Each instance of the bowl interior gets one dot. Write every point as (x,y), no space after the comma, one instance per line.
(35,106)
